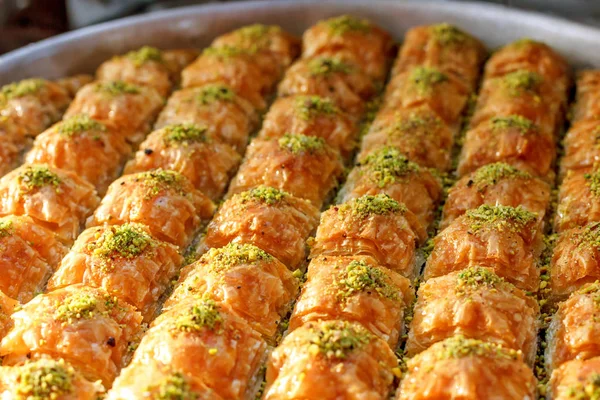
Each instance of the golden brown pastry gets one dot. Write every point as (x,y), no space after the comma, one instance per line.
(587,101)
(576,379)
(93,150)
(207,341)
(125,260)
(55,199)
(505,239)
(333,77)
(376,226)
(578,200)
(73,83)
(7,307)
(354,289)
(46,378)
(193,152)
(445,47)
(253,283)
(130,108)
(304,166)
(163,200)
(574,328)
(417,133)
(496,184)
(29,254)
(581,146)
(87,327)
(217,108)
(372,46)
(467,369)
(331,360)
(477,304)
(13,142)
(268,218)
(311,116)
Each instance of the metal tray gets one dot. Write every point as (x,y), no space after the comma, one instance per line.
(83,50)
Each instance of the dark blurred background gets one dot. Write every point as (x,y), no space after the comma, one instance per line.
(26,21)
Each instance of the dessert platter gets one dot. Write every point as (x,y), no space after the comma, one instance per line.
(303,200)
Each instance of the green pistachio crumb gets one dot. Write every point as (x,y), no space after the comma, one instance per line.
(337,340)
(226,52)
(358,276)
(127,241)
(185,133)
(415,123)
(460,347)
(446,34)
(425,78)
(521,81)
(474,277)
(325,66)
(257,31)
(343,24)
(144,55)
(255,37)
(172,387)
(214,93)
(523,42)
(77,306)
(202,315)
(588,389)
(234,254)
(309,107)
(368,205)
(37,176)
(523,124)
(160,179)
(500,217)
(20,89)
(117,88)
(387,165)
(79,124)
(589,235)
(44,380)
(492,174)
(593,182)
(298,143)
(6,227)
(265,194)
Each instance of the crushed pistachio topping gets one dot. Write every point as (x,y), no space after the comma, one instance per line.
(202,315)
(127,241)
(160,179)
(446,34)
(460,347)
(264,194)
(6,227)
(337,339)
(326,66)
(368,205)
(173,387)
(117,88)
(144,55)
(523,124)
(589,235)
(225,52)
(523,42)
(387,165)
(587,390)
(346,23)
(78,124)
(235,254)
(415,123)
(20,89)
(474,277)
(185,133)
(212,93)
(358,276)
(298,143)
(425,78)
(491,174)
(520,81)
(77,306)
(44,380)
(309,107)
(257,31)
(500,217)
(593,181)
(255,37)
(37,176)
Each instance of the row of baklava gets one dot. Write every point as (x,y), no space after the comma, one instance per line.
(120,267)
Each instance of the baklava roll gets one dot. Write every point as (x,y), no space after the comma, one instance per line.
(574,329)
(581,146)
(46,378)
(575,260)
(388,171)
(153,380)
(331,360)
(146,66)
(505,239)
(235,67)
(270,45)
(7,307)
(206,341)
(468,369)
(514,140)
(215,107)
(496,184)
(477,304)
(578,200)
(417,133)
(191,151)
(587,101)
(332,77)
(94,150)
(354,289)
(73,83)
(165,201)
(87,327)
(33,104)
(29,254)
(125,260)
(311,116)
(445,47)
(376,226)
(253,283)
(576,379)
(371,45)
(130,108)
(268,218)
(421,86)
(55,199)
(304,166)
